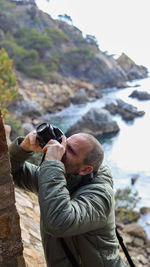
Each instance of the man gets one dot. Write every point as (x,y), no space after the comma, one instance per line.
(76,199)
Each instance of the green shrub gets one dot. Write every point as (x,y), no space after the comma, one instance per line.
(126,199)
(52,63)
(32,13)
(22,57)
(8,81)
(37,71)
(56,35)
(78,56)
(32,39)
(53,78)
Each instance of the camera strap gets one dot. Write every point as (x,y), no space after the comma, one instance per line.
(74,263)
(43,157)
(120,239)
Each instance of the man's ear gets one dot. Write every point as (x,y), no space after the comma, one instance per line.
(86,169)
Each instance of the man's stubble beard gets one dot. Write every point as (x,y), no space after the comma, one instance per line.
(69,167)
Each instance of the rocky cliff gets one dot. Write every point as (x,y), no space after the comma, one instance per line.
(54,61)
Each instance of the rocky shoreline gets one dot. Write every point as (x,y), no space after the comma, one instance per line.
(36,98)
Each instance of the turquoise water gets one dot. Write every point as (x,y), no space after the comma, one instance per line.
(127,153)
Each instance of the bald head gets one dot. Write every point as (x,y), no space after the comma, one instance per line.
(96,155)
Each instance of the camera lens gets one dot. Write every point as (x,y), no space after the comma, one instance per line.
(42,127)
(45,132)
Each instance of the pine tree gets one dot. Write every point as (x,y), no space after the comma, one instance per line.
(8,82)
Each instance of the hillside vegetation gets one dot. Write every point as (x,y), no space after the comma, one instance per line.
(38,44)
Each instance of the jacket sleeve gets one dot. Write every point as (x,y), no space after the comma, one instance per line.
(62,216)
(24,173)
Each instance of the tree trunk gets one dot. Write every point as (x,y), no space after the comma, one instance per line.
(11,247)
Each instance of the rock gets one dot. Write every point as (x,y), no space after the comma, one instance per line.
(98,94)
(144,210)
(142,259)
(28,208)
(148,250)
(132,70)
(141,95)
(97,122)
(127,111)
(135,230)
(23,107)
(103,71)
(80,97)
(62,100)
(138,242)
(126,216)
(23,201)
(134,179)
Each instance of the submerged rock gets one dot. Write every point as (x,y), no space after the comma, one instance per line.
(141,95)
(127,111)
(97,122)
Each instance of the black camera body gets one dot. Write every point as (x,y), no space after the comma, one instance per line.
(46,132)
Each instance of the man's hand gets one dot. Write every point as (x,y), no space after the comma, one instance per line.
(54,150)
(30,143)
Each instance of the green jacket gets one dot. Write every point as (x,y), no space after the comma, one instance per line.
(85,219)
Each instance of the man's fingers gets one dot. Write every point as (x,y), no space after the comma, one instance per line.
(55,143)
(44,149)
(32,138)
(64,141)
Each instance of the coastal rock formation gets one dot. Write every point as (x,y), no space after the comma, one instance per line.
(141,95)
(37,97)
(127,111)
(132,70)
(103,71)
(97,122)
(50,68)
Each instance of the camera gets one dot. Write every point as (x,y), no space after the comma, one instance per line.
(46,132)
